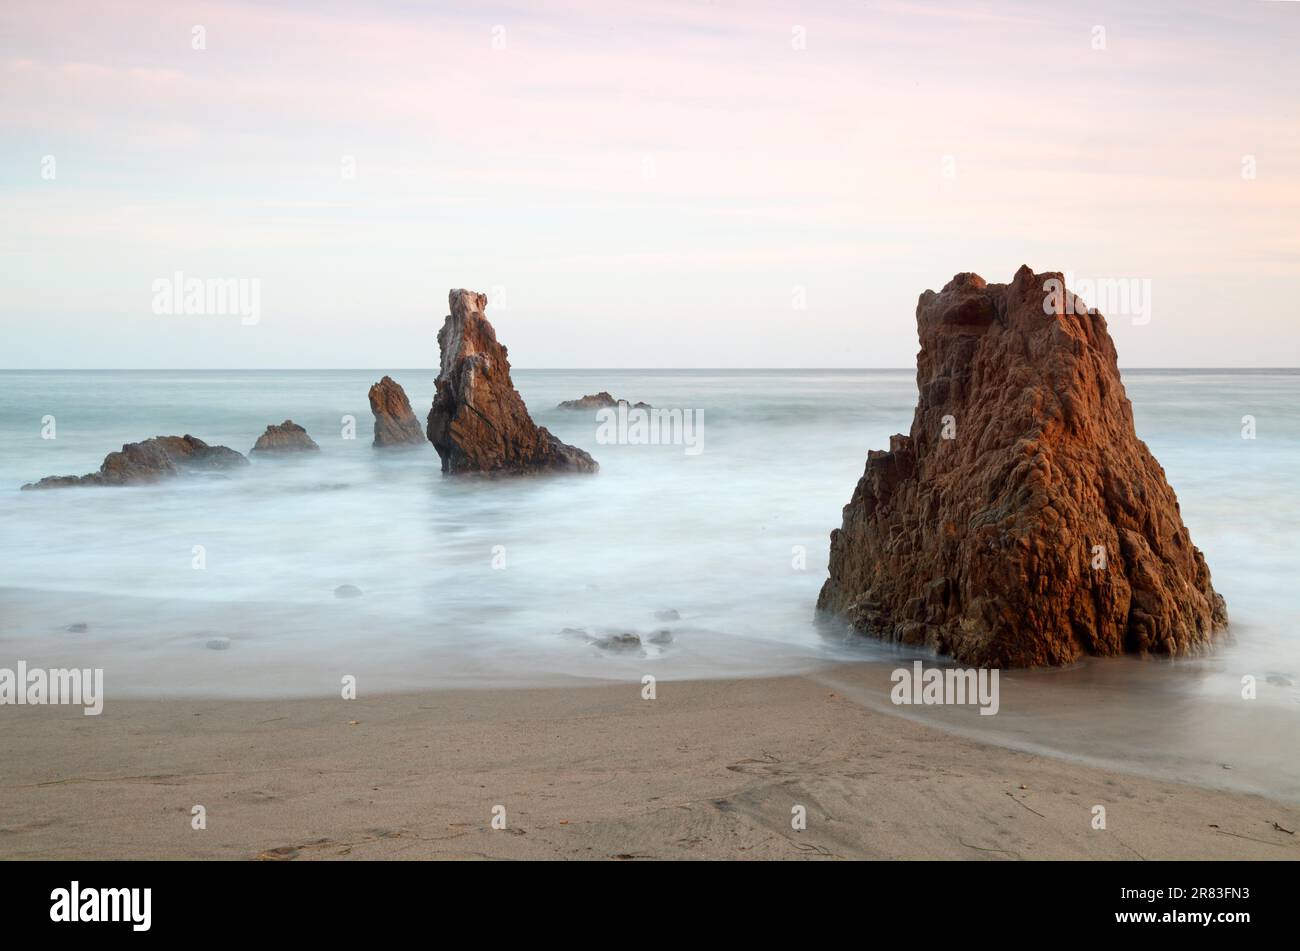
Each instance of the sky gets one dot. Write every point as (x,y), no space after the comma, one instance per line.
(668,184)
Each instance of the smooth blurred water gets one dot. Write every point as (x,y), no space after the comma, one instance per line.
(712,536)
(715,536)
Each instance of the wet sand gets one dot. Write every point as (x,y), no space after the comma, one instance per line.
(707,769)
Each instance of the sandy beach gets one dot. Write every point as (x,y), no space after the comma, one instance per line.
(706,770)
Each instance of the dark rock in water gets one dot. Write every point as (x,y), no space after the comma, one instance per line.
(347,591)
(395,423)
(188,452)
(661,638)
(218,644)
(616,643)
(669,615)
(1022,522)
(80,627)
(287,437)
(592,401)
(141,463)
(619,643)
(478,422)
(62,482)
(601,400)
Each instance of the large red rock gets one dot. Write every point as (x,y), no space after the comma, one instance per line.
(141,463)
(478,422)
(395,423)
(1043,530)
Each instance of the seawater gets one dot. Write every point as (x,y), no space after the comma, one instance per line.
(510,582)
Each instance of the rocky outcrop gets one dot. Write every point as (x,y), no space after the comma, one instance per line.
(478,422)
(601,400)
(395,423)
(1022,522)
(286,437)
(140,463)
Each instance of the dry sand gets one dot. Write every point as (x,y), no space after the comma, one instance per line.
(708,769)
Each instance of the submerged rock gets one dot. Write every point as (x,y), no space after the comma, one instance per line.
(619,643)
(347,591)
(395,423)
(141,463)
(478,421)
(1022,521)
(601,400)
(287,437)
(669,615)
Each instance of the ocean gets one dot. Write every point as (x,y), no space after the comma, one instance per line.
(225,585)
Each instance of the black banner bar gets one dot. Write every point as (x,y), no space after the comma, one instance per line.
(331,900)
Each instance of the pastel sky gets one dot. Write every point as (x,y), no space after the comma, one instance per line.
(668,184)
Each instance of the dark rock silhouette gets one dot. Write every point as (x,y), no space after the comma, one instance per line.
(478,422)
(395,423)
(1022,522)
(286,437)
(140,463)
(601,400)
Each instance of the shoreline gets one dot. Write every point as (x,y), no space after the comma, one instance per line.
(707,769)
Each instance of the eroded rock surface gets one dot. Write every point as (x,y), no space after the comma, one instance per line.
(140,463)
(478,422)
(395,423)
(286,437)
(1022,522)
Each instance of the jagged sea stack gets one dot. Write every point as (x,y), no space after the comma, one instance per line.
(1022,522)
(395,423)
(478,422)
